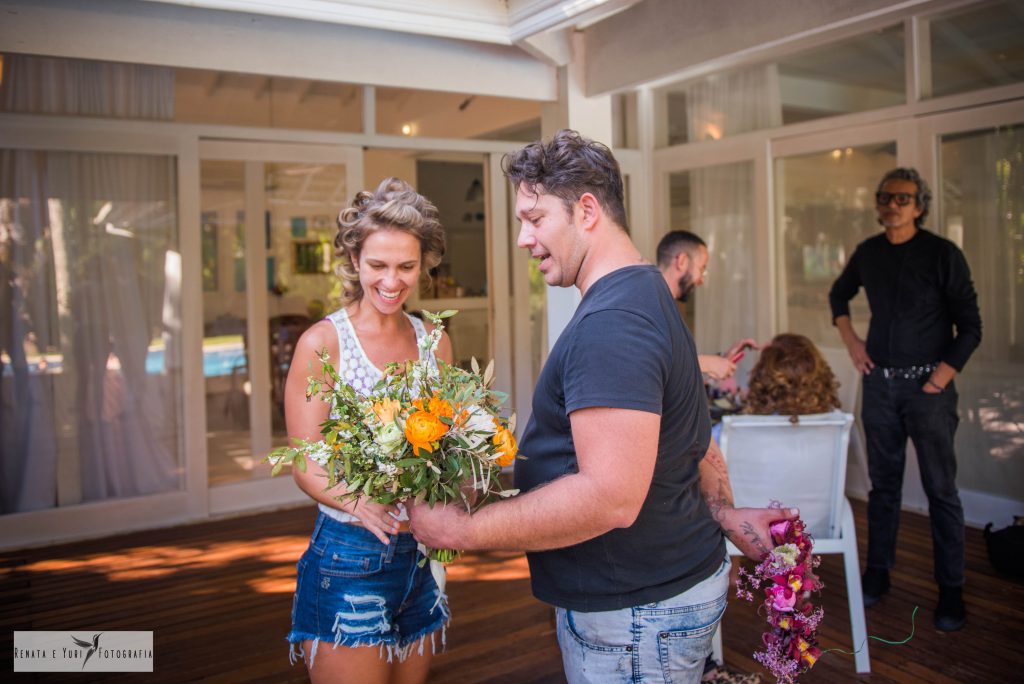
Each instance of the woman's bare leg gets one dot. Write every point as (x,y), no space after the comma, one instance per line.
(359,665)
(412,670)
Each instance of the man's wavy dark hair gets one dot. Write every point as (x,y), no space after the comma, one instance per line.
(566,166)
(924,193)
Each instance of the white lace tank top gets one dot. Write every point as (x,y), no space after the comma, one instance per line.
(355,369)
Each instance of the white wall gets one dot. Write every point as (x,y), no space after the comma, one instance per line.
(659,37)
(156,33)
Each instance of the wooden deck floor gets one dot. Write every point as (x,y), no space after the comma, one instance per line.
(217,596)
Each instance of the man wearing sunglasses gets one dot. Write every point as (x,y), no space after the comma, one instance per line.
(924,326)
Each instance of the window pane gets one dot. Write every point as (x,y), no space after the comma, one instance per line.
(826,208)
(90,352)
(302,205)
(854,75)
(979,47)
(401,111)
(297,229)
(982,209)
(457,190)
(716,203)
(225,339)
(83,87)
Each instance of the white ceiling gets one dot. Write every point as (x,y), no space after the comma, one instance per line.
(504,22)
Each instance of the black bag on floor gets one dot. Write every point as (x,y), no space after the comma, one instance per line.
(1006,548)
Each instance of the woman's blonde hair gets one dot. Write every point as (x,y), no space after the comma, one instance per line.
(792,378)
(394,205)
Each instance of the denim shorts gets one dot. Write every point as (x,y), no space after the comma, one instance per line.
(667,641)
(351,590)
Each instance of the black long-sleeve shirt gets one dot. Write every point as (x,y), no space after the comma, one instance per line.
(918,292)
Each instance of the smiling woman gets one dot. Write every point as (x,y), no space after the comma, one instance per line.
(359,584)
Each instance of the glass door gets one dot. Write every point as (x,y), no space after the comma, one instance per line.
(462,280)
(979,186)
(268,221)
(824,202)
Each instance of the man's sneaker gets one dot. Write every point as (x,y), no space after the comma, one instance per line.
(874,584)
(950,614)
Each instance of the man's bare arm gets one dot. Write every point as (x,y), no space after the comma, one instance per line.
(607,492)
(746,528)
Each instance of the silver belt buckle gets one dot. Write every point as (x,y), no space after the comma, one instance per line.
(886,373)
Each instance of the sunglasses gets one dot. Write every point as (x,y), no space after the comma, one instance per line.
(882,199)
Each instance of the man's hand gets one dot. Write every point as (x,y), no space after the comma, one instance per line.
(859,355)
(717,367)
(748,528)
(940,377)
(858,351)
(440,527)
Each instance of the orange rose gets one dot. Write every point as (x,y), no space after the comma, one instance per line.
(422,429)
(386,409)
(506,443)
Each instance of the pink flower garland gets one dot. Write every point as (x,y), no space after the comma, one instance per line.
(787,574)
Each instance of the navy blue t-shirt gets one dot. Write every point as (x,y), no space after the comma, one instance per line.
(626,347)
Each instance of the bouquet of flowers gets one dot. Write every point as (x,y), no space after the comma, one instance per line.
(427,432)
(787,575)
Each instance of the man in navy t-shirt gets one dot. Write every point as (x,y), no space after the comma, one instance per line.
(621,520)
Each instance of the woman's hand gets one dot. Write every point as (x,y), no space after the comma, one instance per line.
(377,518)
(741,345)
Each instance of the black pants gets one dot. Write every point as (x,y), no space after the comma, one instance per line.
(893,410)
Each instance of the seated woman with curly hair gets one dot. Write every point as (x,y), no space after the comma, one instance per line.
(791,378)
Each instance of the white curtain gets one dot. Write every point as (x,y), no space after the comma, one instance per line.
(722,201)
(76,87)
(85,238)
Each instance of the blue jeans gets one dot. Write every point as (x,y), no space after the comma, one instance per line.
(667,641)
(893,410)
(351,590)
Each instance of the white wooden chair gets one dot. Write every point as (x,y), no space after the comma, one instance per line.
(800,464)
(858,484)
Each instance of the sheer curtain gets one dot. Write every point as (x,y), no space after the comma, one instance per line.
(86,238)
(722,197)
(89,367)
(52,85)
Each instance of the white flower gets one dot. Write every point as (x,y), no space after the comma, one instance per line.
(319,452)
(787,554)
(478,427)
(389,437)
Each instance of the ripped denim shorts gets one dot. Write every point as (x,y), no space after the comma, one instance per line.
(351,590)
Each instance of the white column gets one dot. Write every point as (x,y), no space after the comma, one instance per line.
(591,117)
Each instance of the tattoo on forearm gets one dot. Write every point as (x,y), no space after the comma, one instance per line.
(755,538)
